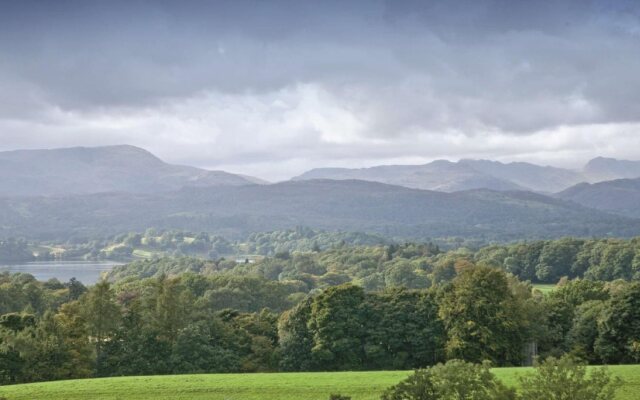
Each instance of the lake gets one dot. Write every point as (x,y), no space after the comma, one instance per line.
(87,272)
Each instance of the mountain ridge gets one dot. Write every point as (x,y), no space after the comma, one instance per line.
(467,174)
(605,169)
(363,206)
(86,170)
(620,196)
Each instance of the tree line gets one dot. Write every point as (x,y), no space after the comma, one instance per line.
(330,258)
(419,265)
(196,323)
(176,243)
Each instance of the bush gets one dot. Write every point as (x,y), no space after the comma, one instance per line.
(567,379)
(336,397)
(455,380)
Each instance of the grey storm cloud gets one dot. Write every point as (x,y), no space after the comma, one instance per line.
(218,82)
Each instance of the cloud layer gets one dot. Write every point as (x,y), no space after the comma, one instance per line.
(274,88)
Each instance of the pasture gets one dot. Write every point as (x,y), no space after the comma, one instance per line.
(275,386)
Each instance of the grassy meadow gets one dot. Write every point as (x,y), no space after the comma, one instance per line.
(545,288)
(276,386)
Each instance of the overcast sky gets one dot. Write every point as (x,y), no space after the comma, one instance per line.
(273,88)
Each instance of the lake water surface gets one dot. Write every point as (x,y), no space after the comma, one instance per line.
(87,272)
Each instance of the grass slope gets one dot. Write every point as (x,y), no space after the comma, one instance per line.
(307,386)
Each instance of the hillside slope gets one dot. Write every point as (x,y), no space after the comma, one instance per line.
(621,196)
(84,170)
(323,204)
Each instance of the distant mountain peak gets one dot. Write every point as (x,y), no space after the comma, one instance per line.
(86,170)
(604,169)
(466,174)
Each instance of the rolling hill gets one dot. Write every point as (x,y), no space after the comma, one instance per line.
(322,204)
(84,170)
(621,196)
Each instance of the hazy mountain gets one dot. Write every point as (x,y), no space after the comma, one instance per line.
(82,170)
(322,204)
(530,176)
(621,196)
(483,174)
(464,175)
(439,175)
(605,169)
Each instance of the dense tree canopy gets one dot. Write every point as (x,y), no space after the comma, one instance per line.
(343,308)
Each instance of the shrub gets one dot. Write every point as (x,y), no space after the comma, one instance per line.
(568,379)
(455,380)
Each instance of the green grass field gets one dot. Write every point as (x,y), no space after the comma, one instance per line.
(544,288)
(298,386)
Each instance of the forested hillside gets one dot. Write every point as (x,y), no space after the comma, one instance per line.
(330,205)
(620,196)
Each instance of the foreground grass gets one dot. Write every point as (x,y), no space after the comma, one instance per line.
(298,386)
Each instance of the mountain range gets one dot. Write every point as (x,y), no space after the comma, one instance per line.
(322,204)
(89,192)
(447,176)
(84,170)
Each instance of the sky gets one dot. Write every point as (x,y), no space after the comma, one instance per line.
(274,88)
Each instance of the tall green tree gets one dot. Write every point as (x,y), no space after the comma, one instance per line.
(296,339)
(338,327)
(403,330)
(48,351)
(619,328)
(101,313)
(169,306)
(483,318)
